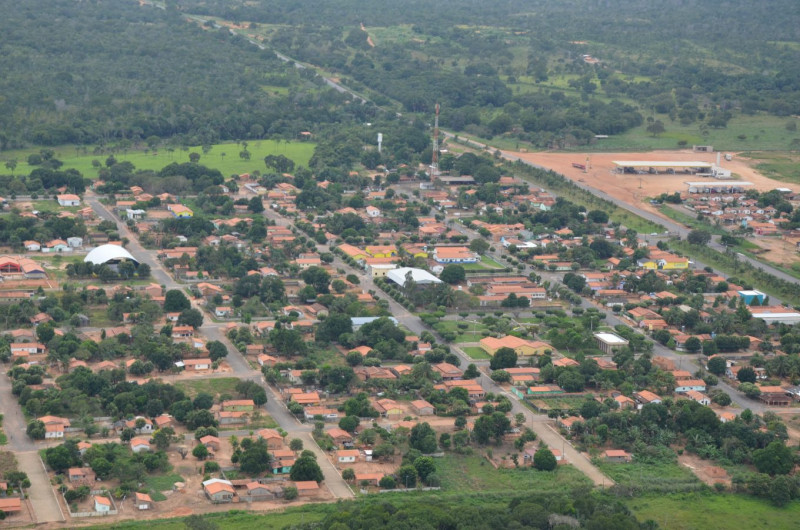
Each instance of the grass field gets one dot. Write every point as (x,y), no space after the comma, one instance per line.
(486,263)
(224,157)
(473,333)
(643,477)
(3,437)
(761,132)
(475,352)
(215,387)
(160,483)
(779,166)
(474,473)
(239,520)
(699,511)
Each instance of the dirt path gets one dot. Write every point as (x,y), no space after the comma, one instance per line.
(41,493)
(369,39)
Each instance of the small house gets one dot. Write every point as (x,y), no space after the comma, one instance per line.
(616,455)
(102,504)
(307,488)
(218,490)
(140,445)
(347,456)
(142,501)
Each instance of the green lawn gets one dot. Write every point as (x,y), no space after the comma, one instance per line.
(462,473)
(486,263)
(224,157)
(642,477)
(239,520)
(3,437)
(780,166)
(215,387)
(761,132)
(475,352)
(698,511)
(159,483)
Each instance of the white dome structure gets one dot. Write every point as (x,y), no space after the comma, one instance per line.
(111,254)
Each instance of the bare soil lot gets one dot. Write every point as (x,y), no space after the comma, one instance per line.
(627,187)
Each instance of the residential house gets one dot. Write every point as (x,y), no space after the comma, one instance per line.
(698,397)
(272,437)
(422,407)
(140,445)
(340,437)
(347,456)
(218,490)
(307,488)
(102,504)
(246,405)
(68,199)
(645,397)
(212,443)
(142,501)
(196,365)
(617,455)
(698,385)
(78,474)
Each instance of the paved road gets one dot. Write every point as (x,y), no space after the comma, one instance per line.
(42,497)
(668,224)
(41,493)
(239,365)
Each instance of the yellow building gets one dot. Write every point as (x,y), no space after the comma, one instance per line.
(382,251)
(522,347)
(353,252)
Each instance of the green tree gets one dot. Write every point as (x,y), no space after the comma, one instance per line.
(453,274)
(746,375)
(424,465)
(349,423)
(175,301)
(407,476)
(200,452)
(191,317)
(699,237)
(503,358)
(774,459)
(36,430)
(423,438)
(306,468)
(216,350)
(717,365)
(544,460)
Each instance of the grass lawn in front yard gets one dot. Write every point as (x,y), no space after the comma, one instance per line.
(465,473)
(475,352)
(709,511)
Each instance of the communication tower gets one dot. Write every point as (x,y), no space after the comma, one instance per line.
(435,156)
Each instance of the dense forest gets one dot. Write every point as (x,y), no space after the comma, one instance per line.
(489,64)
(102,72)
(120,72)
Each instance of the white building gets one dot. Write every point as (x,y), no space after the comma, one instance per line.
(419,276)
(608,342)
